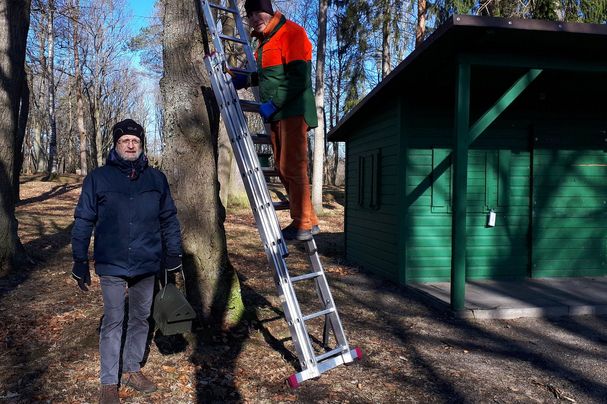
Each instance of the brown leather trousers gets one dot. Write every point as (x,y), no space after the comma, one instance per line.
(290,145)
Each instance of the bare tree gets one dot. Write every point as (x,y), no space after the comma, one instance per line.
(14,24)
(50,74)
(319,132)
(190,161)
(420,31)
(104,38)
(78,88)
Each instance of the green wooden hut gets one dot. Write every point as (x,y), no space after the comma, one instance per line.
(483,156)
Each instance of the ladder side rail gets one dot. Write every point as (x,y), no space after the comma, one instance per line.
(246,158)
(212,26)
(244,34)
(296,322)
(263,186)
(247,172)
(246,143)
(230,97)
(294,317)
(271,226)
(326,296)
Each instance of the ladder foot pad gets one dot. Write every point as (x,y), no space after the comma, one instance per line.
(359,353)
(292,381)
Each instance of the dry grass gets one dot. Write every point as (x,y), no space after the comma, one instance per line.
(413,353)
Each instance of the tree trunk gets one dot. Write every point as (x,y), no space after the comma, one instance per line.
(319,132)
(24,110)
(386,56)
(191,127)
(79,97)
(335,161)
(14,24)
(52,149)
(228,173)
(97,125)
(37,149)
(421,22)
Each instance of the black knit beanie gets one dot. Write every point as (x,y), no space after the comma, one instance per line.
(127,127)
(258,5)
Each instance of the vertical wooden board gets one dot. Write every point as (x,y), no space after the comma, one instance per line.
(503,251)
(569,211)
(372,193)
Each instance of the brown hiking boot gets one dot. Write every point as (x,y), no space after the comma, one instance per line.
(108,394)
(138,381)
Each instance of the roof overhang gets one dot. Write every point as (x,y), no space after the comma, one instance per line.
(488,41)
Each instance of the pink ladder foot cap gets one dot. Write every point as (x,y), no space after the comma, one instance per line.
(293,383)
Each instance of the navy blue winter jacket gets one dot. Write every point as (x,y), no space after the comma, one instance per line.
(129,205)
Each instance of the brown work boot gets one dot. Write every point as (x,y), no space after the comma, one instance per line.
(108,394)
(138,381)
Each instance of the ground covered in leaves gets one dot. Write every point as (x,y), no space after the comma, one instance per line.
(412,351)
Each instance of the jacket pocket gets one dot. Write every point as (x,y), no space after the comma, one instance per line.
(271,56)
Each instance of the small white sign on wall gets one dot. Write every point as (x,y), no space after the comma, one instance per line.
(491,218)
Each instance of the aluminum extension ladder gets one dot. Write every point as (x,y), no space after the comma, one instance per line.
(232,111)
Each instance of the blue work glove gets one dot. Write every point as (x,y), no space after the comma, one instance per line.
(172,263)
(82,274)
(267,109)
(240,80)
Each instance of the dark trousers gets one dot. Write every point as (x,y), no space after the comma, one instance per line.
(140,294)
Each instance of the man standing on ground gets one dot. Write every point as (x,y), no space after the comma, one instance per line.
(137,233)
(285,88)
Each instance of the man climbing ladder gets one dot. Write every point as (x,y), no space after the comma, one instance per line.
(284,58)
(223,80)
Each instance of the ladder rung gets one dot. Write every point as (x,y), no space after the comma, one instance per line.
(282,205)
(249,106)
(233,39)
(328,354)
(261,139)
(318,314)
(306,276)
(269,171)
(220,7)
(240,70)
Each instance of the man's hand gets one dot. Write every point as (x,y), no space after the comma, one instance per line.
(82,274)
(240,80)
(267,109)
(172,263)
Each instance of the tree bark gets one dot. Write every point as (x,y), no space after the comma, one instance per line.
(37,147)
(24,109)
(421,22)
(97,124)
(386,55)
(14,24)
(52,149)
(228,174)
(79,96)
(191,122)
(319,132)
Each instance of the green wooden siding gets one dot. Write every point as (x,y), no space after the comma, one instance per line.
(569,232)
(371,187)
(498,180)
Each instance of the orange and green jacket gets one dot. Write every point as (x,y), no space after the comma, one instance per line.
(284,60)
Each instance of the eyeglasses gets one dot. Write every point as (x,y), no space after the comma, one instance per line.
(134,142)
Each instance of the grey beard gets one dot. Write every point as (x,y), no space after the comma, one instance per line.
(129,158)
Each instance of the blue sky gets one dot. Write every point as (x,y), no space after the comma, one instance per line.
(142,10)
